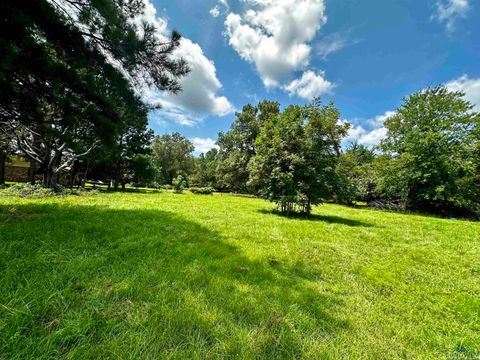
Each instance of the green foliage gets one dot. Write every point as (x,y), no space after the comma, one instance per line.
(433,142)
(238,145)
(61,97)
(297,154)
(201,190)
(354,175)
(25,190)
(144,169)
(28,190)
(179,183)
(205,172)
(172,154)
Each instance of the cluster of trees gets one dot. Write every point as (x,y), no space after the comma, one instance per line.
(70,72)
(428,161)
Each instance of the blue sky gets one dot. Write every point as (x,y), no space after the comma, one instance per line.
(365,55)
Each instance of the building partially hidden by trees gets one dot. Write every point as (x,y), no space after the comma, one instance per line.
(18,168)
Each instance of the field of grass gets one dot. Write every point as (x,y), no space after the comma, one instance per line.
(182,276)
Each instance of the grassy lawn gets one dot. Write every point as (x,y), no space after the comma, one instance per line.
(129,275)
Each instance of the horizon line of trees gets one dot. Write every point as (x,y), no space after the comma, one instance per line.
(429,160)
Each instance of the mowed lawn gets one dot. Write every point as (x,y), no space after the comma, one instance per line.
(182,276)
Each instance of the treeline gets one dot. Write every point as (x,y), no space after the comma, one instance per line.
(428,161)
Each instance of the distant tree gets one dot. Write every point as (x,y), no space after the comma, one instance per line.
(172,154)
(179,183)
(433,141)
(144,170)
(237,146)
(355,182)
(296,156)
(131,146)
(205,172)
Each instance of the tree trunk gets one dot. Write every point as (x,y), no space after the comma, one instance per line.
(3,158)
(32,171)
(49,178)
(73,173)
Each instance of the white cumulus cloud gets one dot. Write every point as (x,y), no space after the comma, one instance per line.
(309,85)
(199,96)
(200,86)
(275,36)
(448,12)
(215,11)
(471,88)
(376,132)
(202,145)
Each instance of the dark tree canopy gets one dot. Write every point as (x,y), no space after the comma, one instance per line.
(67,73)
(172,154)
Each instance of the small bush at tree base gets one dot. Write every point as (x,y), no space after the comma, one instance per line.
(38,190)
(201,190)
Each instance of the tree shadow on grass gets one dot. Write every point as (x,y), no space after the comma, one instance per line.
(329,219)
(87,281)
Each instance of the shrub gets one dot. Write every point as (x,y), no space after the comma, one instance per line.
(201,190)
(165,187)
(179,184)
(27,190)
(37,190)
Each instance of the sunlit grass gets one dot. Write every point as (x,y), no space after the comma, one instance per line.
(134,275)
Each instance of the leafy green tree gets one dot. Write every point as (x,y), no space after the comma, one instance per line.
(433,140)
(131,146)
(205,173)
(173,156)
(354,175)
(144,169)
(296,156)
(66,75)
(237,146)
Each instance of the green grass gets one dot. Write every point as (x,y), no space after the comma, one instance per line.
(132,275)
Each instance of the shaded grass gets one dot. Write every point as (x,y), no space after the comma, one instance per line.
(192,277)
(329,219)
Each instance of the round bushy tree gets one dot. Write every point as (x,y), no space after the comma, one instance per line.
(297,153)
(179,184)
